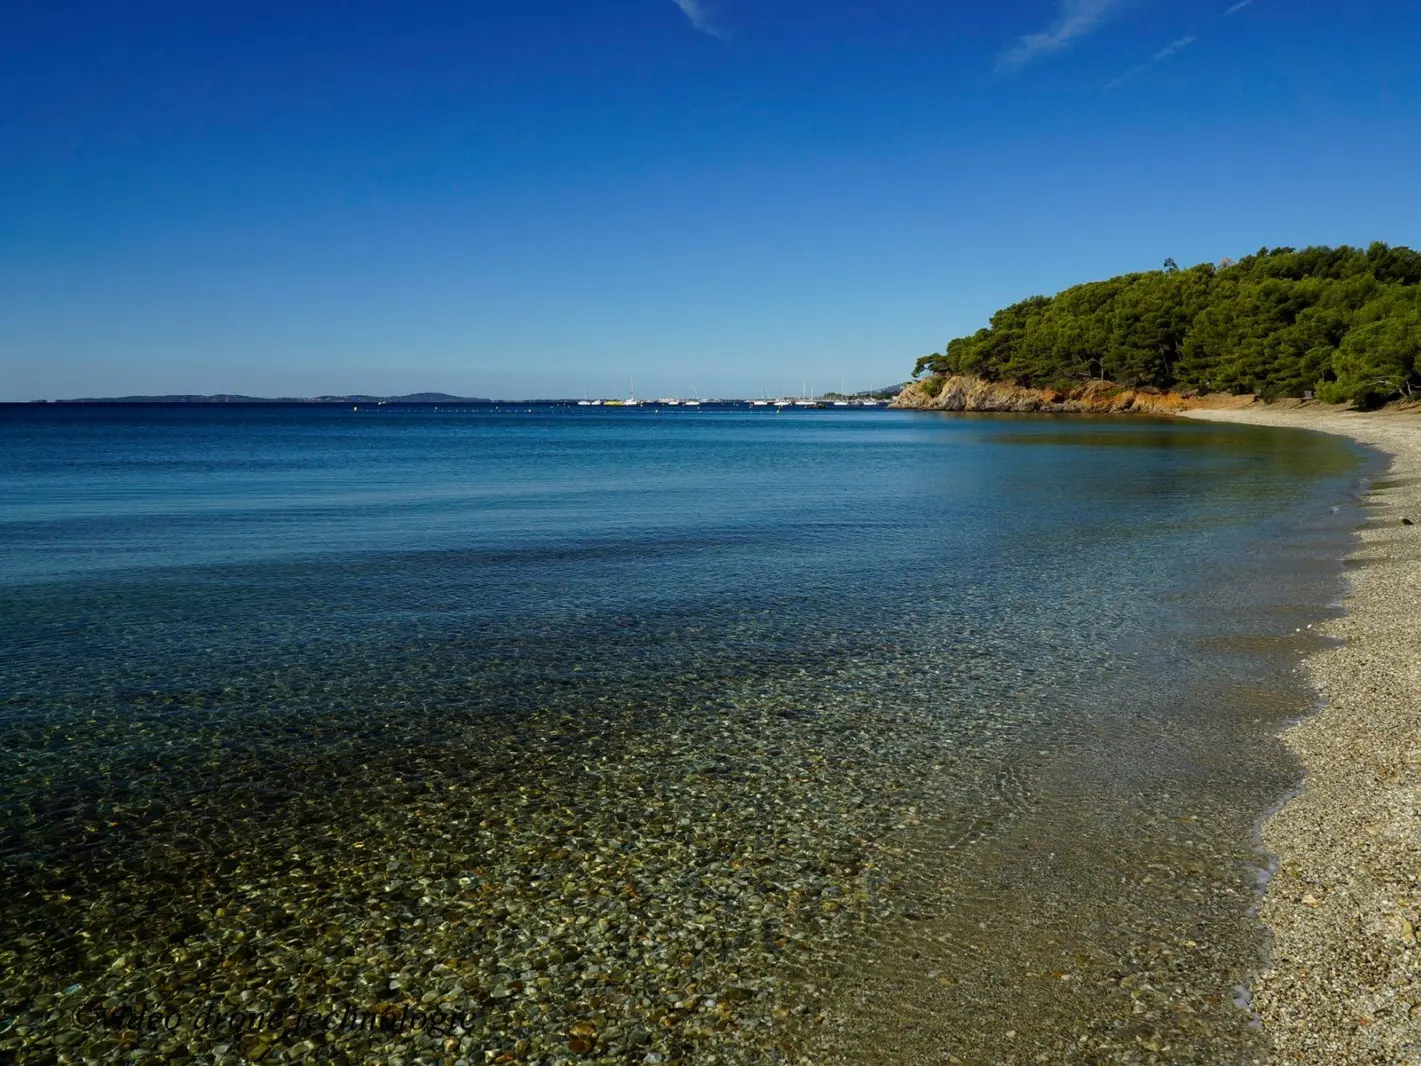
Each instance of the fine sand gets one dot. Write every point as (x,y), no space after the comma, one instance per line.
(1344,985)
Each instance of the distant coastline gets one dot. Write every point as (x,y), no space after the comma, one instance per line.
(873,398)
(180,398)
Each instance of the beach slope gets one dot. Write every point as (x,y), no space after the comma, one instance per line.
(1344,985)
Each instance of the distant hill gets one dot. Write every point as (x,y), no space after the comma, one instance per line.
(885,393)
(413,397)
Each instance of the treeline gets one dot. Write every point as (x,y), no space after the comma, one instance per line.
(1341,323)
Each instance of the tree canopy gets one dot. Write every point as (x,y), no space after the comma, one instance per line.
(1343,323)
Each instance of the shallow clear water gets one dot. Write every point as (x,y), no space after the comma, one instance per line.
(630,733)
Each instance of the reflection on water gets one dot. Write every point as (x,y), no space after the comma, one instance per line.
(599,734)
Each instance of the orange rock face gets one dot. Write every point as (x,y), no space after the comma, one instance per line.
(1091,397)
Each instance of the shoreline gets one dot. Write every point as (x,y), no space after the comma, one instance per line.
(1343,984)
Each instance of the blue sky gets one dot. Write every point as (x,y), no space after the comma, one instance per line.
(530,199)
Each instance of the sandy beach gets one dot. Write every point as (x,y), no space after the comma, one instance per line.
(1344,986)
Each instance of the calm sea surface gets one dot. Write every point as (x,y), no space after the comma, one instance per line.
(645,736)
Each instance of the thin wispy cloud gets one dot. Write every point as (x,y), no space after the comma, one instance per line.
(1163,54)
(1174,46)
(1129,76)
(1075,19)
(702,17)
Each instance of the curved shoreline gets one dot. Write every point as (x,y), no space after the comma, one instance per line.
(1344,907)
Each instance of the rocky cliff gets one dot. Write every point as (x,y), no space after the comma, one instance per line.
(937,393)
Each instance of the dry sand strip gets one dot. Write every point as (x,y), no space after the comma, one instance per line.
(1345,908)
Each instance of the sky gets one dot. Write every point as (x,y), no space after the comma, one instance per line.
(514,199)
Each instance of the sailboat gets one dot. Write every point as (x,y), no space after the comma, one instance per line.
(631,400)
(696,402)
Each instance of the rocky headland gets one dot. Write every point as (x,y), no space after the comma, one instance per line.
(963,393)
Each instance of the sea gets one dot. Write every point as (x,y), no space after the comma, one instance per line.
(546,734)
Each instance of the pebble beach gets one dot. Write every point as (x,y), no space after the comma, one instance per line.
(1344,984)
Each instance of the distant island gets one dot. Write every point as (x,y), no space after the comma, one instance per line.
(414,397)
(1341,325)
